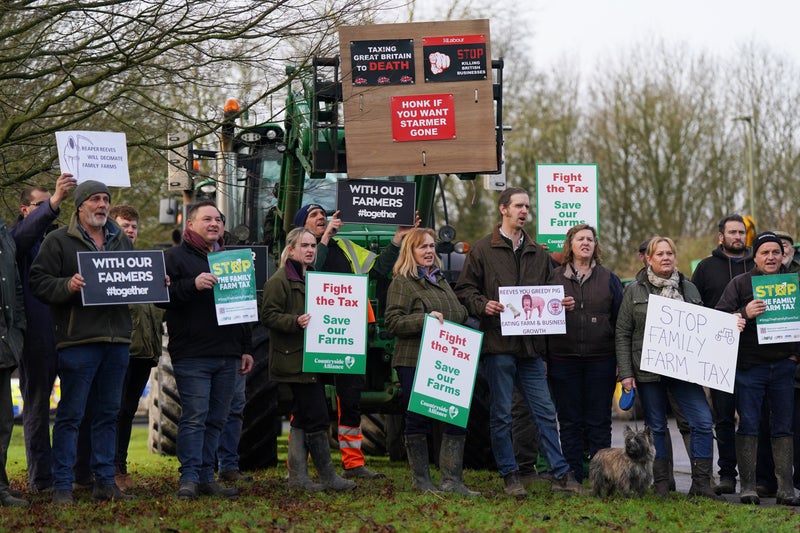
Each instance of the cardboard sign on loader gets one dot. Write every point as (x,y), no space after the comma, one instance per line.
(418,98)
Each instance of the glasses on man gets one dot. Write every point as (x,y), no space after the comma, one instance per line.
(37,204)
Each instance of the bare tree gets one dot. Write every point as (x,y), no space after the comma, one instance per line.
(69,65)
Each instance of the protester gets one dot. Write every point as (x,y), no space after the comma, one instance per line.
(346,257)
(764,373)
(283,312)
(145,350)
(12,326)
(92,341)
(662,278)
(582,366)
(417,290)
(729,259)
(205,356)
(505,258)
(37,369)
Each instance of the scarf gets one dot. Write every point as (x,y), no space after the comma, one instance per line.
(669,286)
(195,241)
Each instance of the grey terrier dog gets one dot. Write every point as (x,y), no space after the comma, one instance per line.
(628,470)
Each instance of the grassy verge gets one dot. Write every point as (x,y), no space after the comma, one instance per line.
(378,505)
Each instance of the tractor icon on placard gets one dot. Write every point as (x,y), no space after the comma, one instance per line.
(725,333)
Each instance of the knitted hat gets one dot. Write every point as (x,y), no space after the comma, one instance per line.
(87,189)
(764,238)
(302,214)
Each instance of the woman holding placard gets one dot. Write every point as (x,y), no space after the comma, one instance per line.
(419,289)
(581,364)
(661,277)
(283,312)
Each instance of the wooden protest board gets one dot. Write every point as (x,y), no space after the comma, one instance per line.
(418,98)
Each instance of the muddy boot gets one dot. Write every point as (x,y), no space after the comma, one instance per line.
(417,451)
(320,449)
(727,485)
(298,463)
(451,464)
(671,469)
(746,459)
(701,479)
(782,454)
(661,477)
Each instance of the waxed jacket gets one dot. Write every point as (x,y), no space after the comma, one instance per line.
(54,266)
(285,300)
(12,319)
(147,332)
(492,264)
(408,301)
(591,325)
(191,313)
(737,294)
(631,320)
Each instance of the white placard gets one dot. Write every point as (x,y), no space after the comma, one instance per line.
(691,343)
(446,369)
(94,155)
(336,336)
(532,310)
(566,195)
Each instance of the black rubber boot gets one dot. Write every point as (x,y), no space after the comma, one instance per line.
(783,455)
(320,449)
(417,451)
(701,479)
(451,465)
(661,477)
(298,463)
(746,459)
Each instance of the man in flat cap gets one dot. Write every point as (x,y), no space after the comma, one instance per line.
(92,341)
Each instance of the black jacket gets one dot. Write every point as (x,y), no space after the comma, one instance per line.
(738,293)
(714,272)
(191,315)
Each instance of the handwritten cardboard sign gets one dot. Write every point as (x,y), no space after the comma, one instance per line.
(691,343)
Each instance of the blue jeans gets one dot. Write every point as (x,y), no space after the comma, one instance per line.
(89,373)
(773,382)
(228,451)
(691,399)
(583,392)
(205,386)
(503,372)
(417,424)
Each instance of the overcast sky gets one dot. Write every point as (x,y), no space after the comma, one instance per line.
(583,30)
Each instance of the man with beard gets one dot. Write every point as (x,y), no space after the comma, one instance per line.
(731,258)
(92,341)
(505,258)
